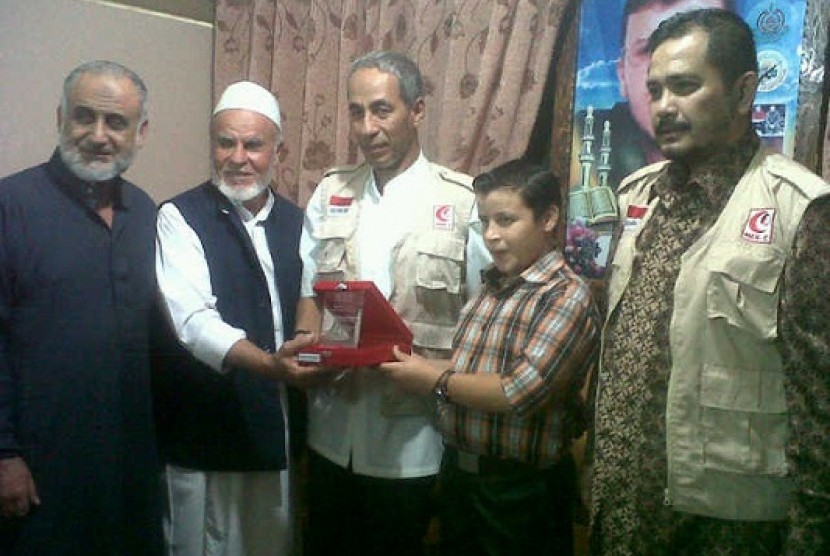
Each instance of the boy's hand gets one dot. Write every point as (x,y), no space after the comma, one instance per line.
(412,373)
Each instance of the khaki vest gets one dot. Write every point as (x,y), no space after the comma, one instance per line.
(429,265)
(726,414)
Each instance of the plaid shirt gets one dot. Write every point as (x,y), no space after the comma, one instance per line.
(539,332)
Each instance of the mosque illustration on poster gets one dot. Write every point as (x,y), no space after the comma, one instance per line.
(592,204)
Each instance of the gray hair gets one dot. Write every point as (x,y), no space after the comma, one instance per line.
(410,81)
(104,67)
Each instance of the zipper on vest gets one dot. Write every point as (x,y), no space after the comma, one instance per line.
(666,497)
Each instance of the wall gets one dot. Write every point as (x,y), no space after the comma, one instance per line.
(200,10)
(42,40)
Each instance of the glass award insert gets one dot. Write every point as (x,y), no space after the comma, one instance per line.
(342,316)
(359,327)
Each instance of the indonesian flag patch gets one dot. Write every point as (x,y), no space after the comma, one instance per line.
(758,227)
(339,205)
(633,216)
(443,217)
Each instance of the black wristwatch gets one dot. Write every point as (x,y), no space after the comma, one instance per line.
(441,390)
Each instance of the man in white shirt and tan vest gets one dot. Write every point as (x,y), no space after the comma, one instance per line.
(403,223)
(712,397)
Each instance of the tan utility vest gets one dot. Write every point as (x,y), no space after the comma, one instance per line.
(428,266)
(726,414)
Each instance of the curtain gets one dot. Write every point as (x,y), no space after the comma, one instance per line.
(485,63)
(812,140)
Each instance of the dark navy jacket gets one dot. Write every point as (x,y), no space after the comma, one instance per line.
(233,421)
(76,298)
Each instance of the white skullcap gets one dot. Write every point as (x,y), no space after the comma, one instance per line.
(247,95)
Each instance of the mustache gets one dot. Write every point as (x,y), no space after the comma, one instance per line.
(95,149)
(670,124)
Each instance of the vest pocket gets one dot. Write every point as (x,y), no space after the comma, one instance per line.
(743,420)
(331,259)
(438,273)
(440,260)
(743,287)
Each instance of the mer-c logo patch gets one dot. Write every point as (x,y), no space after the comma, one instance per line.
(443,217)
(758,227)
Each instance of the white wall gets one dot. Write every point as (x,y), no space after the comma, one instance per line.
(42,40)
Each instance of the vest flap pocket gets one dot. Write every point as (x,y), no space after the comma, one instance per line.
(440,260)
(757,265)
(442,246)
(743,286)
(331,254)
(743,421)
(742,389)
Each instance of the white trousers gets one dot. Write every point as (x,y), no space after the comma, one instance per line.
(229,513)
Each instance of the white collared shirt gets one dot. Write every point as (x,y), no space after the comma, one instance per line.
(184,280)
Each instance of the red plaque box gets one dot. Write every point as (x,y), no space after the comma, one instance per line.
(359,327)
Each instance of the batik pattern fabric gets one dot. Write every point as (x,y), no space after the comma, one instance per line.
(805,343)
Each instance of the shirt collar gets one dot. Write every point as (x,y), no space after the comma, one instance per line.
(247,217)
(90,195)
(412,174)
(539,272)
(716,179)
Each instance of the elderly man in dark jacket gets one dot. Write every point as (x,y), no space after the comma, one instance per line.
(78,471)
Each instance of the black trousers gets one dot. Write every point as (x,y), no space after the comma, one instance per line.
(350,514)
(506,508)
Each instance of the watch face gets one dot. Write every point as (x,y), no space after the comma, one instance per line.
(442,388)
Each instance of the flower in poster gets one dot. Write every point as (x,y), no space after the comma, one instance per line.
(582,249)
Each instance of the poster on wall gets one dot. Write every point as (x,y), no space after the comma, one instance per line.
(612,134)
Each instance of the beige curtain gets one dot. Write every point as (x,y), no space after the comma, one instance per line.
(484,63)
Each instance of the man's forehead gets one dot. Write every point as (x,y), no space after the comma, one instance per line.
(683,54)
(104,92)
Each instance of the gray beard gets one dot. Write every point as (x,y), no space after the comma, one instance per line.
(71,156)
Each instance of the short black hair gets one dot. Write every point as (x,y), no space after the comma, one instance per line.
(731,48)
(536,184)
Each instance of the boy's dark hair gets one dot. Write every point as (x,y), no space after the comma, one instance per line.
(731,48)
(537,186)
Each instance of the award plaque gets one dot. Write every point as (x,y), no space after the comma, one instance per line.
(358,329)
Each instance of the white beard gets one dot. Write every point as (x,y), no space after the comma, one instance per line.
(239,195)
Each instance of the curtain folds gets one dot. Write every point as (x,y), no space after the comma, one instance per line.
(484,62)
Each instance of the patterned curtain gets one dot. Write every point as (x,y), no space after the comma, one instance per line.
(484,62)
(812,140)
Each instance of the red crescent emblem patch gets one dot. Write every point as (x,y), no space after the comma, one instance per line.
(759,226)
(443,217)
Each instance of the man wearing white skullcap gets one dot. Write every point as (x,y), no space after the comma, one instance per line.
(229,270)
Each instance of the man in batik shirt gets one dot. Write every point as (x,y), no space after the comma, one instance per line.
(712,398)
